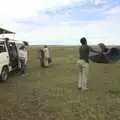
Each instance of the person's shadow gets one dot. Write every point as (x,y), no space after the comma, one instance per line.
(115,92)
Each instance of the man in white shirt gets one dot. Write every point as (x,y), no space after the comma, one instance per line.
(46,56)
(23,60)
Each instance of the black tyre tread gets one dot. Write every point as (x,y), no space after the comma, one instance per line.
(1,73)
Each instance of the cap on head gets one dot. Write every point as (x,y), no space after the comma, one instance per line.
(83,40)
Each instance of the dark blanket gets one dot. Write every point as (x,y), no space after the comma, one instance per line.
(112,56)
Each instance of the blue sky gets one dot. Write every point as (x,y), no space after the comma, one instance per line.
(63,21)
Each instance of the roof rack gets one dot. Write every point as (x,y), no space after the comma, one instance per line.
(7,39)
(5,31)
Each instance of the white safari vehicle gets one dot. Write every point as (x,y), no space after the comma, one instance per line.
(9,56)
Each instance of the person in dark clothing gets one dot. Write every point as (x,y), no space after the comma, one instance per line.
(107,55)
(104,51)
(103,48)
(41,57)
(83,63)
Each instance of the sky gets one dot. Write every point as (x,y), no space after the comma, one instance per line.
(64,22)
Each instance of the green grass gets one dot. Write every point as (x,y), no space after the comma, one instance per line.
(52,94)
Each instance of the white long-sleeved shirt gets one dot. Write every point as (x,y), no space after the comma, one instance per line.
(46,51)
(22,54)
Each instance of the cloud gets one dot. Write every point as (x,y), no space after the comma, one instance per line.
(78,11)
(13,11)
(27,8)
(62,21)
(113,13)
(95,31)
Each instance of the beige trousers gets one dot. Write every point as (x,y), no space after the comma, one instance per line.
(46,62)
(83,74)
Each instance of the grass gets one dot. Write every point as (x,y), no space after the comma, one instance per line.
(52,94)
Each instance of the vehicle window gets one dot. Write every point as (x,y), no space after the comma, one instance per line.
(2,46)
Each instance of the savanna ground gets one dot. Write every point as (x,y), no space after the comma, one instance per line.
(52,94)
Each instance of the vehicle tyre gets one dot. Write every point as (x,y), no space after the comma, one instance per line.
(4,74)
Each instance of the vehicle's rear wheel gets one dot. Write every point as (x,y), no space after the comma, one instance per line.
(4,74)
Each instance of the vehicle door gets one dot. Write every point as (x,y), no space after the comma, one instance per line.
(4,56)
(13,53)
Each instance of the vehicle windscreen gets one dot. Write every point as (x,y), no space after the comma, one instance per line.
(2,46)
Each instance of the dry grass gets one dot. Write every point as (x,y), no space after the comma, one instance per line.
(52,94)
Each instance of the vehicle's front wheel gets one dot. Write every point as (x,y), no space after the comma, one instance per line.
(4,74)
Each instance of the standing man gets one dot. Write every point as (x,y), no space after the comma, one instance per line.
(83,64)
(23,61)
(46,56)
(40,57)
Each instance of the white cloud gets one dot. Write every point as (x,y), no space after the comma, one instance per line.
(114,10)
(97,2)
(96,31)
(11,10)
(26,8)
(113,13)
